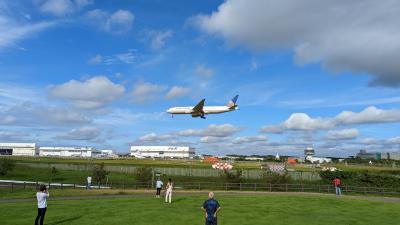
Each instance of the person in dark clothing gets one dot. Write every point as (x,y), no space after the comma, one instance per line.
(211,208)
(41,196)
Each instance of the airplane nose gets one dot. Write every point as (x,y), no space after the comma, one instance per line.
(169,110)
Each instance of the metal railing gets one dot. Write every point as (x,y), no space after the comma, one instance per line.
(203,186)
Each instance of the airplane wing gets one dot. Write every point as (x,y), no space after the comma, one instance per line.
(198,109)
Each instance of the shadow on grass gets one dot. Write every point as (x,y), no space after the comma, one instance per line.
(65,220)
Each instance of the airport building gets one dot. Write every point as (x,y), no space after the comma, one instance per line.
(391,155)
(69,151)
(363,154)
(309,151)
(18,149)
(107,154)
(162,152)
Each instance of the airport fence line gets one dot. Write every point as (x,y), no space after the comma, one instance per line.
(175,171)
(204,186)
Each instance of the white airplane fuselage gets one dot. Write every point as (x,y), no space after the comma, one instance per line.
(200,110)
(206,110)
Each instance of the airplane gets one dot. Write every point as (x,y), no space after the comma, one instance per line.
(200,110)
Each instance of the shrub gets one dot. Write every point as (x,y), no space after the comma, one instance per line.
(361,178)
(143,174)
(99,173)
(6,165)
(276,178)
(233,177)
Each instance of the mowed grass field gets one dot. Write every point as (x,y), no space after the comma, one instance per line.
(237,209)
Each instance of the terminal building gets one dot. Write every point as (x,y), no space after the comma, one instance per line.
(18,149)
(162,152)
(69,151)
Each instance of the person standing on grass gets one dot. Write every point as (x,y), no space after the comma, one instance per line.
(41,196)
(337,183)
(168,193)
(89,183)
(159,185)
(211,208)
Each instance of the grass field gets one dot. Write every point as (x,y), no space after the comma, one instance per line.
(276,209)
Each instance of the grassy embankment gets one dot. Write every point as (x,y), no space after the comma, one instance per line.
(236,210)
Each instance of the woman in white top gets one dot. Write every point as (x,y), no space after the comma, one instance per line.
(41,196)
(168,193)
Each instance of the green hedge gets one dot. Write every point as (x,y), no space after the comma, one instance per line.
(361,179)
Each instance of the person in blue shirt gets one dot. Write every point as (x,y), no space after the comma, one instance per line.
(211,208)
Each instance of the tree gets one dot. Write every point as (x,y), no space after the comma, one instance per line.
(6,165)
(99,173)
(143,174)
(53,173)
(233,177)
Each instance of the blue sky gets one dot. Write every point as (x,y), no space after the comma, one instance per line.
(102,73)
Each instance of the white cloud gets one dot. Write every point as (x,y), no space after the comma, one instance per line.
(370,114)
(11,32)
(204,71)
(250,139)
(93,93)
(8,119)
(28,114)
(303,122)
(83,3)
(145,92)
(213,139)
(177,92)
(127,57)
(82,133)
(153,137)
(158,39)
(119,22)
(344,134)
(6,136)
(97,59)
(253,65)
(213,130)
(300,121)
(359,36)
(394,140)
(63,7)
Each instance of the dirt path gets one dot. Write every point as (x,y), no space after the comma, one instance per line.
(143,194)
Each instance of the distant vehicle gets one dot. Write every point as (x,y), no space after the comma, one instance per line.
(200,110)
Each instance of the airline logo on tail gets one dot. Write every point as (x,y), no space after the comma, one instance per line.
(232,102)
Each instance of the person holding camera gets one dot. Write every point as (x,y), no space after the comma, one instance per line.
(41,196)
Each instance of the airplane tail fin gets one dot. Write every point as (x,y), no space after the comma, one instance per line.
(232,103)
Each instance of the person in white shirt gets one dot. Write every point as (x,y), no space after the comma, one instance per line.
(168,194)
(89,183)
(159,185)
(41,196)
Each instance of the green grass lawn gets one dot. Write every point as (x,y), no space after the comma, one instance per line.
(185,210)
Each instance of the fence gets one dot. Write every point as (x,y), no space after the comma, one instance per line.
(262,187)
(173,171)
